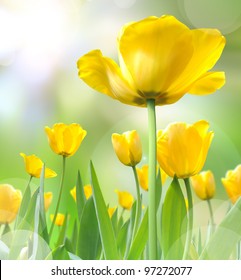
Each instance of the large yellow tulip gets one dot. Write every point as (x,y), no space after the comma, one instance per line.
(160,59)
(182,148)
(10,200)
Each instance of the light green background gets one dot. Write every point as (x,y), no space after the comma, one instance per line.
(41,42)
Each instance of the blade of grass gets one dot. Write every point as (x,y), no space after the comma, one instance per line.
(140,239)
(80,196)
(173,223)
(105,227)
(89,237)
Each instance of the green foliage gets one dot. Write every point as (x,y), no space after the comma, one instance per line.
(173,223)
(107,235)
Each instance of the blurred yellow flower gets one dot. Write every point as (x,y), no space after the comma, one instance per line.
(204,184)
(160,58)
(143,176)
(127,147)
(125,199)
(10,200)
(48,197)
(232,183)
(182,148)
(111,211)
(59,219)
(34,165)
(65,139)
(87,192)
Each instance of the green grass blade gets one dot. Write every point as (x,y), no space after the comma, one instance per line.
(89,237)
(107,235)
(173,223)
(227,235)
(158,189)
(60,253)
(122,238)
(140,240)
(80,196)
(24,204)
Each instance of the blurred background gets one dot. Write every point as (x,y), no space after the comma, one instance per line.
(40,43)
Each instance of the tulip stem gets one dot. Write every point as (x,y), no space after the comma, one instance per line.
(211,212)
(59,198)
(190,219)
(138,203)
(152,179)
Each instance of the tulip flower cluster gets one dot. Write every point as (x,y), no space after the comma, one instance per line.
(153,71)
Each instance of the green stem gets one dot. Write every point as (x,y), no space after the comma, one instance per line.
(190,219)
(59,198)
(138,203)
(152,179)
(211,212)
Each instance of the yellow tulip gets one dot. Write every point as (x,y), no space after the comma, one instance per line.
(182,148)
(160,59)
(59,219)
(125,199)
(143,176)
(65,139)
(204,184)
(87,192)
(127,147)
(111,211)
(34,165)
(232,183)
(48,197)
(10,200)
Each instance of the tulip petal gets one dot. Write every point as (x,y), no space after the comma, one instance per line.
(208,83)
(152,50)
(208,45)
(104,75)
(121,148)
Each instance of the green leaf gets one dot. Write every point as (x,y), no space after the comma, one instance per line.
(227,235)
(24,204)
(43,230)
(89,237)
(80,196)
(173,223)
(122,237)
(28,220)
(60,253)
(74,237)
(107,235)
(140,240)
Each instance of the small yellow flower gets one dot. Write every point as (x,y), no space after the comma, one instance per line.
(182,148)
(48,197)
(34,165)
(59,219)
(87,192)
(143,176)
(125,199)
(204,184)
(127,147)
(232,183)
(65,139)
(111,211)
(153,65)
(10,200)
